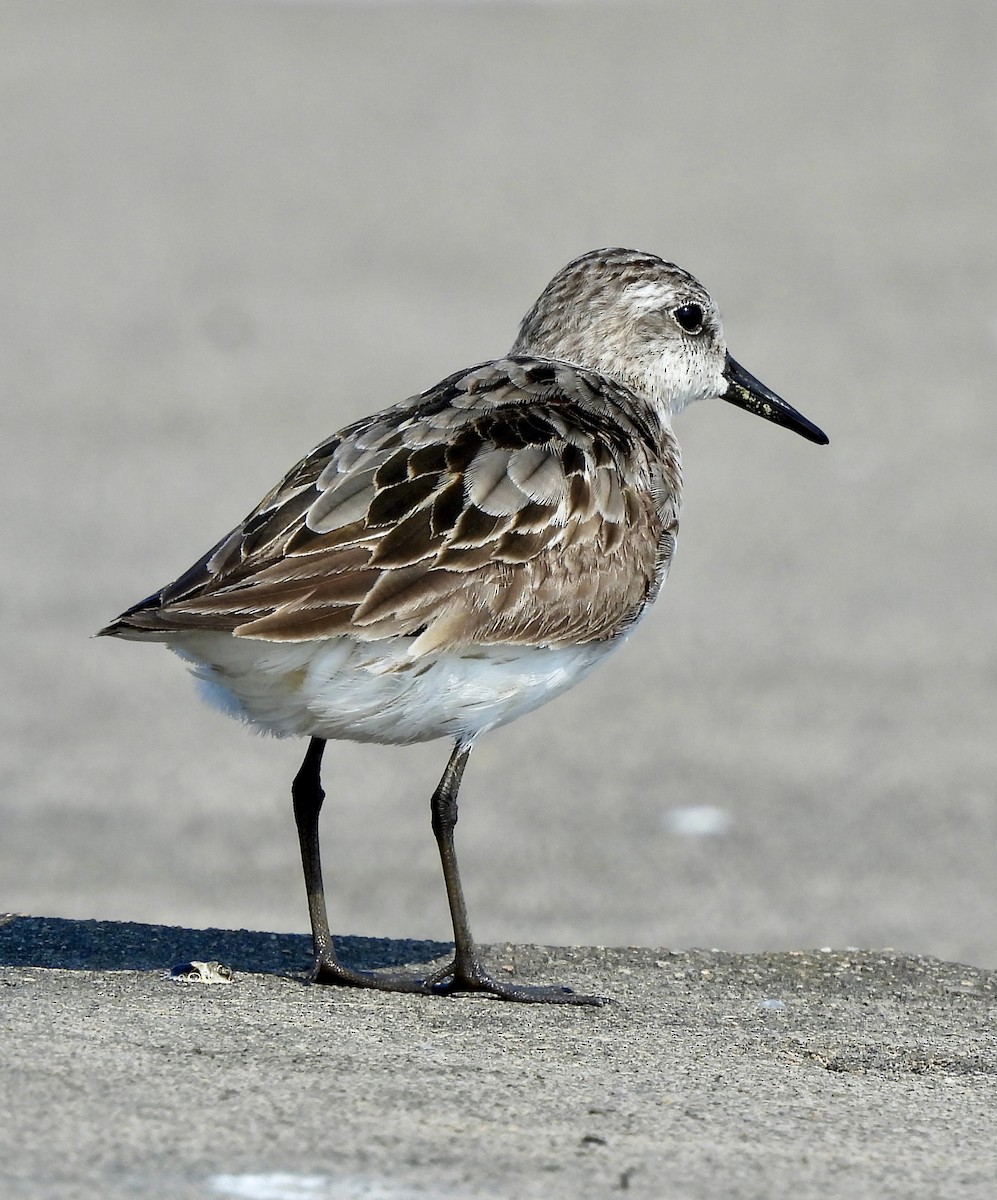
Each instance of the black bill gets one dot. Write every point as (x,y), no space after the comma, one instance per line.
(749,393)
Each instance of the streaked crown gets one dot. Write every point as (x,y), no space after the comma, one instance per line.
(636,318)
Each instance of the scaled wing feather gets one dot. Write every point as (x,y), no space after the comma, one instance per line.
(523,501)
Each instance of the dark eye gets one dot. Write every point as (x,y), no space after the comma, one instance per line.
(690,317)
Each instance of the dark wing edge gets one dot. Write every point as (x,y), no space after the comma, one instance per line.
(144,616)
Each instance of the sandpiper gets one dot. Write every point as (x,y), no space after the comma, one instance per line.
(446,565)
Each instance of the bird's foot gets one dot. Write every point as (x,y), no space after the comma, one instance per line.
(448,981)
(472,977)
(330,971)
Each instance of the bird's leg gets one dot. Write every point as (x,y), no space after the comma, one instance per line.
(307,796)
(467,973)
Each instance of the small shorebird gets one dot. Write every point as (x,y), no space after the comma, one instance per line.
(448,564)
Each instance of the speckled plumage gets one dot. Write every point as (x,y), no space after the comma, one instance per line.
(524,501)
(447,564)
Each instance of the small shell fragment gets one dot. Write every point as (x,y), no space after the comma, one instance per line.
(201,972)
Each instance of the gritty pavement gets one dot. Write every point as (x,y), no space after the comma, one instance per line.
(710,1074)
(230,227)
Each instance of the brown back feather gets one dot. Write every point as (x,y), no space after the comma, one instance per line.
(523,501)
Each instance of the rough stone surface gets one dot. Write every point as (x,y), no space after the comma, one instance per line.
(711,1074)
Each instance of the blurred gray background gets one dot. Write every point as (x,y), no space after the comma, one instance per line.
(229,227)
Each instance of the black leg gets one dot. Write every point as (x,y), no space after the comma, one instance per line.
(307,796)
(467,973)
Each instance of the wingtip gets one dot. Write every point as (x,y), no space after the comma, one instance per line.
(115,629)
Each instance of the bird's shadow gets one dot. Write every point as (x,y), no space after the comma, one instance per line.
(55,942)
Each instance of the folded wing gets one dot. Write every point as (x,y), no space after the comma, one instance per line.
(522,502)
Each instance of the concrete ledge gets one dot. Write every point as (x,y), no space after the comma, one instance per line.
(712,1074)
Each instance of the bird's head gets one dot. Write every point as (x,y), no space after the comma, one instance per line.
(652,326)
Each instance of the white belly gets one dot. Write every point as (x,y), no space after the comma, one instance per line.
(375,691)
